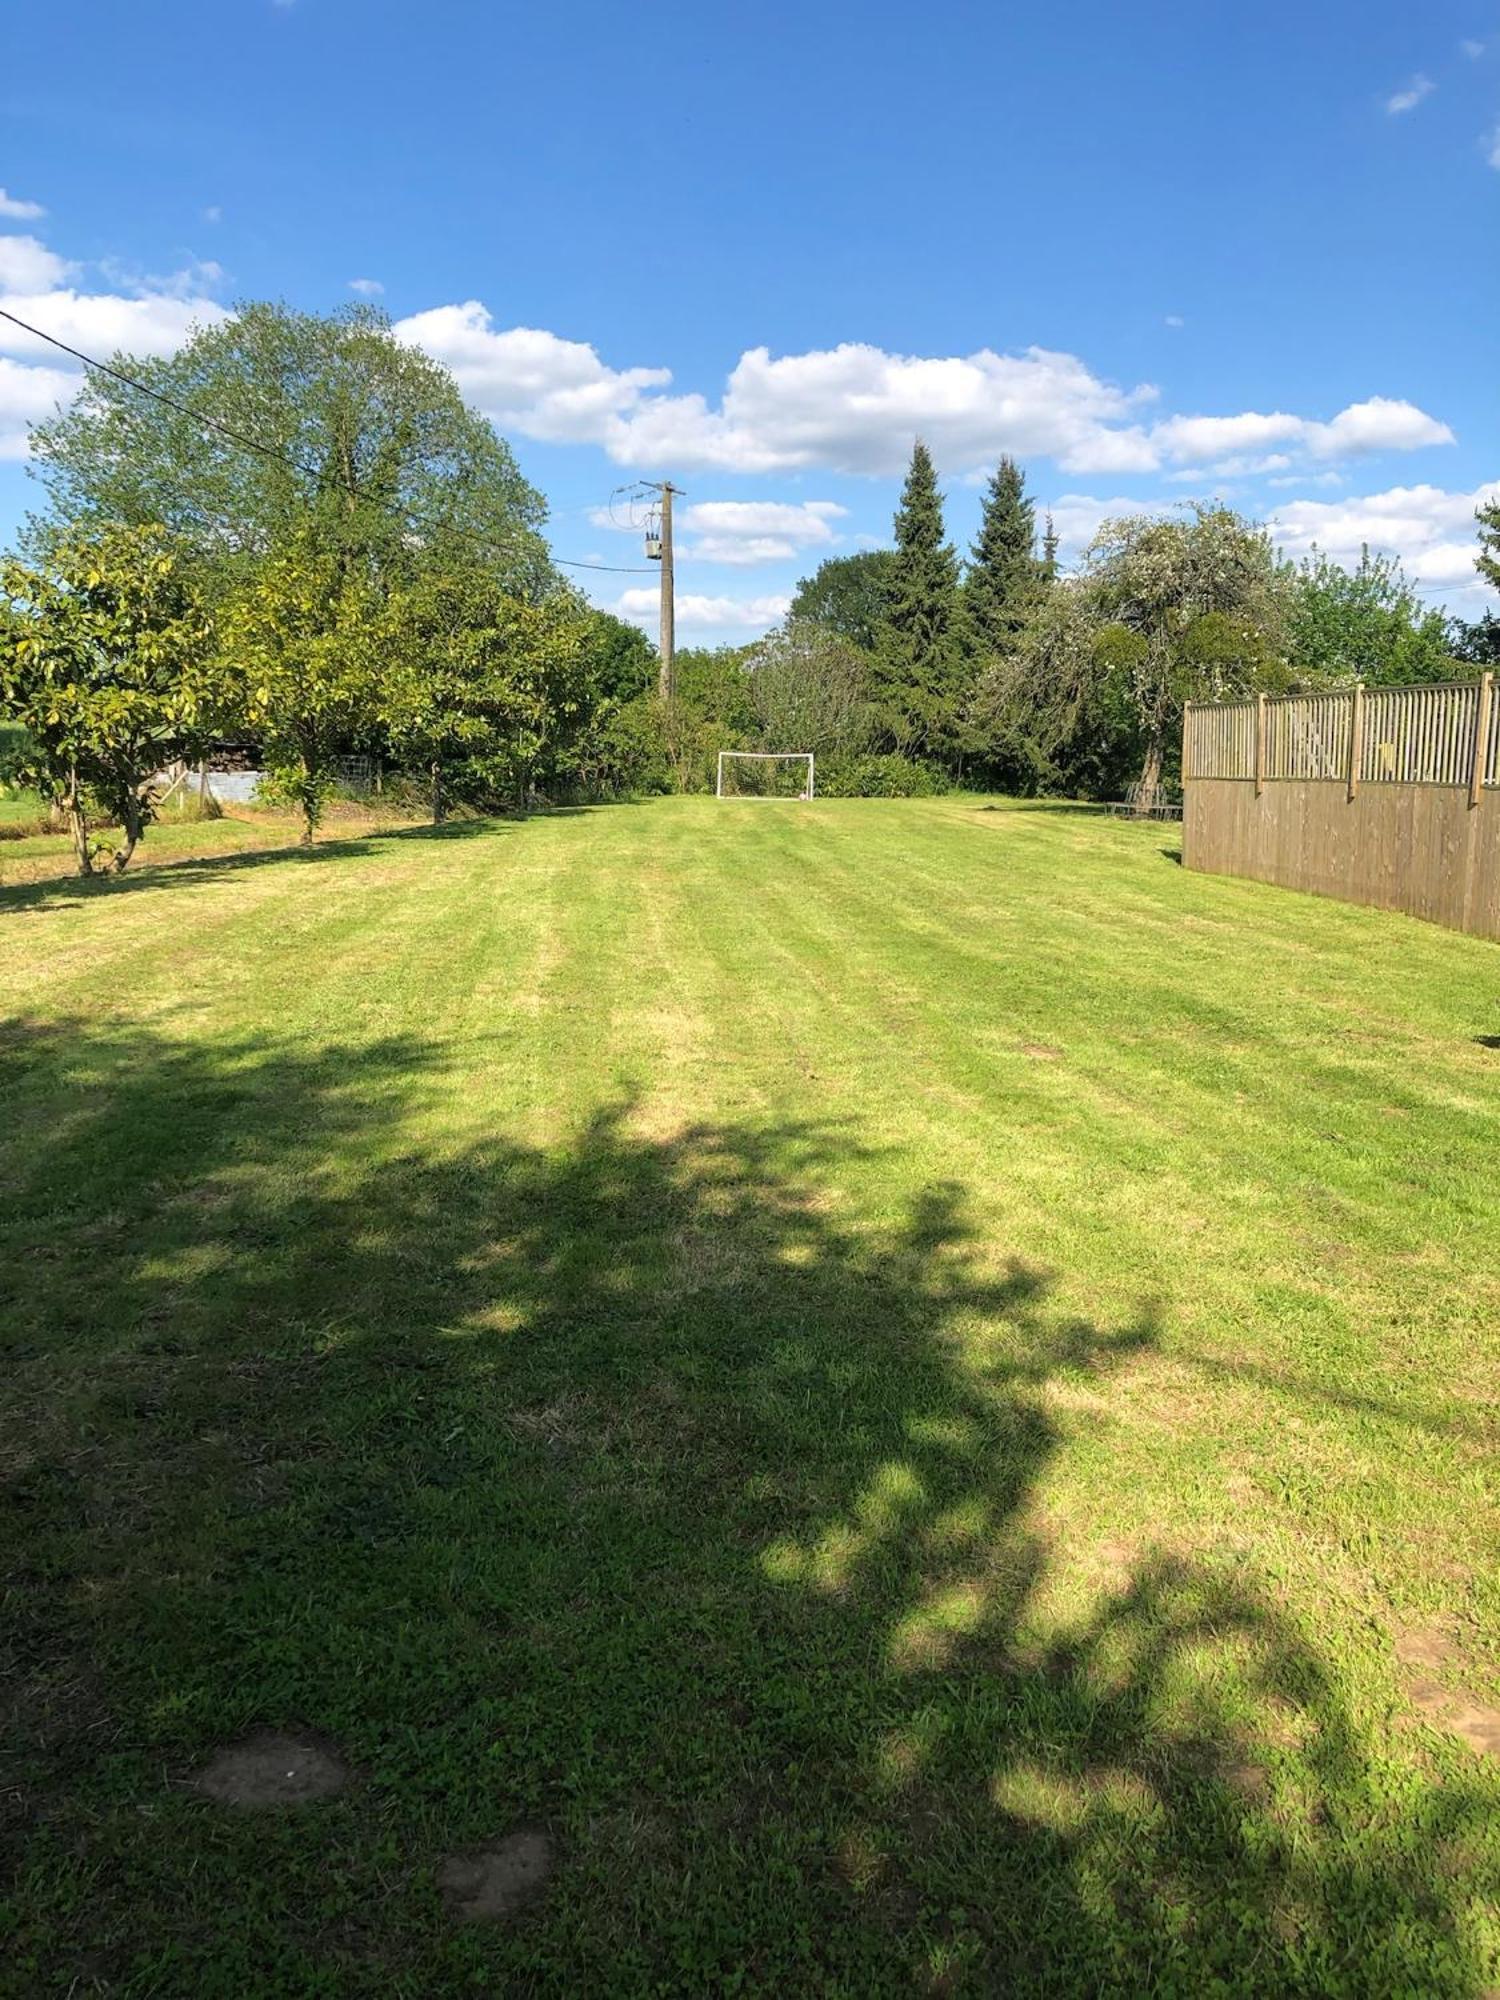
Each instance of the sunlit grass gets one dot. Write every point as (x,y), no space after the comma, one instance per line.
(912,1382)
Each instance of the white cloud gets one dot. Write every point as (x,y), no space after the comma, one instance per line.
(1429,529)
(103,322)
(27,395)
(16,210)
(27,265)
(1491,145)
(856,408)
(1471,48)
(147,316)
(737,615)
(368,288)
(1382,423)
(744,532)
(213,213)
(1410,95)
(1174,320)
(529,380)
(1076,518)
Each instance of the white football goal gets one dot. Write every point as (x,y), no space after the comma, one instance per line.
(765,774)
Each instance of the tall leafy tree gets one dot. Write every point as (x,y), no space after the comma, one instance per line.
(1190,609)
(1364,623)
(106,663)
(847,595)
(366,447)
(1162,612)
(304,638)
(918,667)
(484,689)
(1003,572)
(808,687)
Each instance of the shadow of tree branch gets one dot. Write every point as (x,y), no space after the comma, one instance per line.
(629,1482)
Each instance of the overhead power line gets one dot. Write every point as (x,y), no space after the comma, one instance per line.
(268,451)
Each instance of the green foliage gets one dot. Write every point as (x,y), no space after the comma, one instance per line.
(1477,644)
(918,676)
(622,660)
(1204,603)
(482,689)
(1487,562)
(892,1375)
(1363,624)
(848,595)
(809,690)
(106,674)
(302,642)
(878,776)
(336,393)
(1003,576)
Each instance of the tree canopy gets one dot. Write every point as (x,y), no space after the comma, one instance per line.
(356,440)
(847,595)
(917,658)
(1363,624)
(107,666)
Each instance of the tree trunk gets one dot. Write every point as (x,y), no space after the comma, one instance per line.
(130,826)
(1151,768)
(439,807)
(309,803)
(77,826)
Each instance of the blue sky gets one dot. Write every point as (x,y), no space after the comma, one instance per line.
(1155,252)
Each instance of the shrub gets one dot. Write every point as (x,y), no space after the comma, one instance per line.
(883,777)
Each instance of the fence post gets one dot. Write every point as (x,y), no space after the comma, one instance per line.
(1481,736)
(1260,744)
(1356,735)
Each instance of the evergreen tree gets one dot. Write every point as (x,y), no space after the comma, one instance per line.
(1003,570)
(1049,552)
(1487,562)
(918,666)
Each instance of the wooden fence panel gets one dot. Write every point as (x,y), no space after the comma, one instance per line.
(1412,823)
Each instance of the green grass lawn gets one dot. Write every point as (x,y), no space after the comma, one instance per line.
(46,856)
(910,1384)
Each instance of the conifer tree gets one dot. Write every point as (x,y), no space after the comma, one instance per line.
(918,662)
(1049,552)
(1487,562)
(1003,570)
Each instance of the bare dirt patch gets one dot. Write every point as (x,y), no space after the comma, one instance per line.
(273,1769)
(1041,1052)
(491,1882)
(1423,1646)
(1459,1714)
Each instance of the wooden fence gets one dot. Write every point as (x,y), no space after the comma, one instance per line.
(1388,796)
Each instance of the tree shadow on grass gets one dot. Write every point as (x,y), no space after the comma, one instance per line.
(193,871)
(638,1487)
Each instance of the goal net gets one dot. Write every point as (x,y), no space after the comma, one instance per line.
(765,774)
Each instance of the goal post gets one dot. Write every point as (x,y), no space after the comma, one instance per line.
(764,774)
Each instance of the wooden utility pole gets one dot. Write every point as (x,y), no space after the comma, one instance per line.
(666,679)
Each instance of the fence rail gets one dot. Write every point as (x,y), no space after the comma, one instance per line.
(1376,795)
(1440,735)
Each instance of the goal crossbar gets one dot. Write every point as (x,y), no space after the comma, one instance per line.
(764,757)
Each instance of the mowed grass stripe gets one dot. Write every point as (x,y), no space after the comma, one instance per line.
(913,1384)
